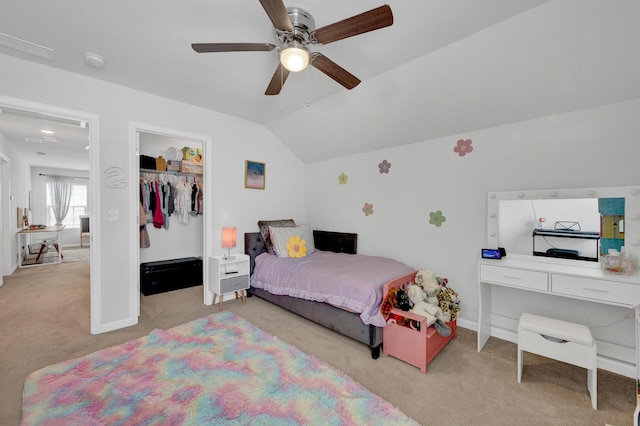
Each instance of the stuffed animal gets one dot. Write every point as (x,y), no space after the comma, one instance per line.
(433,313)
(424,275)
(448,299)
(389,303)
(420,306)
(402,300)
(429,283)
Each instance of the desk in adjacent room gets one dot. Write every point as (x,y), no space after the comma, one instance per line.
(26,258)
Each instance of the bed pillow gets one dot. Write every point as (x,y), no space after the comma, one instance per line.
(280,238)
(263,225)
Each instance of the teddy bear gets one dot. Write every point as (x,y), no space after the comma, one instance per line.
(429,283)
(448,299)
(420,306)
(433,313)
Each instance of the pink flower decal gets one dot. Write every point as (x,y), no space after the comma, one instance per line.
(463,147)
(384,167)
(367,209)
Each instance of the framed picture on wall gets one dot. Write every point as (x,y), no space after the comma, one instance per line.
(254,174)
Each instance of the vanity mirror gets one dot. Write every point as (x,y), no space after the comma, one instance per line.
(570,224)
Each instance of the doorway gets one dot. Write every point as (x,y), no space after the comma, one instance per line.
(154,142)
(65,119)
(5,208)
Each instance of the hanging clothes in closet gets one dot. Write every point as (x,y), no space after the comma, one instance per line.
(163,195)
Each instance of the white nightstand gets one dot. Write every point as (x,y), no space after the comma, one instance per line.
(228,276)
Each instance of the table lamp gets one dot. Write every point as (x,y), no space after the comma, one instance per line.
(228,240)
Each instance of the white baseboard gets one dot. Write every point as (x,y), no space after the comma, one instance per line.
(104,328)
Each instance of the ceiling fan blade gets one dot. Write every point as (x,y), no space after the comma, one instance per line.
(277,12)
(368,21)
(277,81)
(333,70)
(232,47)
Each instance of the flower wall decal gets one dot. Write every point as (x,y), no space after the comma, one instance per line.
(384,167)
(342,179)
(437,218)
(367,209)
(463,147)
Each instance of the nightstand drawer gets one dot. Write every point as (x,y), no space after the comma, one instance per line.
(513,277)
(598,290)
(234,283)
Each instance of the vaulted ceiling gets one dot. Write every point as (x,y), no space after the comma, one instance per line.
(443,67)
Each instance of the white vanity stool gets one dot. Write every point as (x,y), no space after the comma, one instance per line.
(560,340)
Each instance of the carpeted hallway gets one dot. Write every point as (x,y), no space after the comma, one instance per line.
(44,313)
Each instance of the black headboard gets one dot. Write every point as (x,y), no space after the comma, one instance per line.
(339,242)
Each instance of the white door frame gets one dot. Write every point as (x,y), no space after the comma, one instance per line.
(135,128)
(93,121)
(5,215)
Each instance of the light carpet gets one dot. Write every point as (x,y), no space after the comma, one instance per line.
(75,254)
(217,369)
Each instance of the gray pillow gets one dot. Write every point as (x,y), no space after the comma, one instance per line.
(264,230)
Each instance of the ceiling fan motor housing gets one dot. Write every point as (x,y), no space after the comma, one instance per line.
(303,26)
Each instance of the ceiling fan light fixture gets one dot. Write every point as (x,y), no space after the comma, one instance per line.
(295,57)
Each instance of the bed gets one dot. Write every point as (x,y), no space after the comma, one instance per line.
(346,322)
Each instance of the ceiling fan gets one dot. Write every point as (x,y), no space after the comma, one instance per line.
(296,29)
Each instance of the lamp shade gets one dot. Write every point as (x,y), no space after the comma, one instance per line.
(228,237)
(294,57)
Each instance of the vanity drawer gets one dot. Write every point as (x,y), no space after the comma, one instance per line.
(512,277)
(237,283)
(598,290)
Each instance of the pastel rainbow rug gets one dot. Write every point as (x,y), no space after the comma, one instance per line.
(220,369)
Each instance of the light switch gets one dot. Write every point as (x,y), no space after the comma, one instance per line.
(111,215)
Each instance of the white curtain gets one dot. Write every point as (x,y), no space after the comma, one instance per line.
(60,189)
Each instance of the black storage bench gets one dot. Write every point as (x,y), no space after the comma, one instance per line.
(172,274)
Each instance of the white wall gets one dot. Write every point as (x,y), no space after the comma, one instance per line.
(234,141)
(15,193)
(590,148)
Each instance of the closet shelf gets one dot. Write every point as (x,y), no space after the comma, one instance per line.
(170,172)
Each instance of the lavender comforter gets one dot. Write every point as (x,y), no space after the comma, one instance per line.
(349,281)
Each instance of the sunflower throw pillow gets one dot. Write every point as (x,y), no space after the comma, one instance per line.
(281,239)
(296,247)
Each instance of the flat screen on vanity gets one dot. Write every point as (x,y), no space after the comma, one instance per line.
(513,215)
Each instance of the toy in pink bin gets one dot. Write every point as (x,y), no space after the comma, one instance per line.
(420,306)
(433,313)
(427,280)
(448,299)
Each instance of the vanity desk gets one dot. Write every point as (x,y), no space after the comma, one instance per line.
(562,285)
(584,281)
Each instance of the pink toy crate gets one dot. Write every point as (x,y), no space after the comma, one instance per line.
(412,342)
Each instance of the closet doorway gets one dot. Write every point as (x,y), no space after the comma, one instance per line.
(170,203)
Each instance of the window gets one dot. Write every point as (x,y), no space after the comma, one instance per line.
(77,207)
